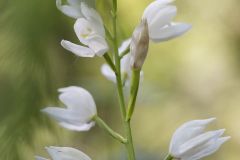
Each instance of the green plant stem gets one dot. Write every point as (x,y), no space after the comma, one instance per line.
(124,52)
(133,93)
(129,144)
(169,157)
(109,61)
(112,133)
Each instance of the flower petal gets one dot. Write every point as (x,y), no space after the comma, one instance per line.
(77,49)
(154,7)
(125,44)
(64,153)
(78,99)
(74,2)
(163,17)
(74,117)
(69,10)
(210,149)
(197,144)
(84,30)
(187,131)
(108,73)
(169,32)
(40,158)
(90,13)
(98,45)
(83,127)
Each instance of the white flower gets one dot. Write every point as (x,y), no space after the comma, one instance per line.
(159,15)
(125,65)
(64,153)
(80,109)
(191,142)
(90,32)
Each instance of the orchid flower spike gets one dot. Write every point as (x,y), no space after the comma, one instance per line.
(80,109)
(90,32)
(191,142)
(64,153)
(125,65)
(159,15)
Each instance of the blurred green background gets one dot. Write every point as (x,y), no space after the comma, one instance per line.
(192,77)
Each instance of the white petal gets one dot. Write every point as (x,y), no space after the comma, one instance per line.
(98,45)
(74,2)
(197,144)
(90,13)
(163,17)
(66,153)
(77,49)
(209,150)
(125,44)
(187,131)
(84,30)
(40,158)
(71,11)
(125,64)
(79,99)
(154,7)
(74,117)
(83,127)
(108,73)
(169,32)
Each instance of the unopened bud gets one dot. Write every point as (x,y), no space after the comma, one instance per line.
(139,45)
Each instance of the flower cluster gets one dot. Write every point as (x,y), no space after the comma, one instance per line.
(189,142)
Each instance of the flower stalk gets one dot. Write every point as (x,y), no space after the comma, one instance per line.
(133,92)
(111,132)
(109,61)
(169,157)
(127,126)
(125,52)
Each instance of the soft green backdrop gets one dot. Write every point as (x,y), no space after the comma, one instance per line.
(192,77)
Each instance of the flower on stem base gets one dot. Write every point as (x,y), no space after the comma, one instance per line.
(159,15)
(80,109)
(90,32)
(64,153)
(191,142)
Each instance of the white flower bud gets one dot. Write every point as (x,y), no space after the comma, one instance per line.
(139,45)
(191,142)
(79,111)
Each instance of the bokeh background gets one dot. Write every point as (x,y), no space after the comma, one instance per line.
(192,77)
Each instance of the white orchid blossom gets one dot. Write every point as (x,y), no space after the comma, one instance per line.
(80,109)
(191,142)
(90,32)
(159,15)
(64,153)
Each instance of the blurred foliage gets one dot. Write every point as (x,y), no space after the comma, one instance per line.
(194,76)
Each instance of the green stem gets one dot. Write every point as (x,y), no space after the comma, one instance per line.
(125,52)
(169,157)
(133,93)
(112,133)
(109,61)
(108,33)
(129,144)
